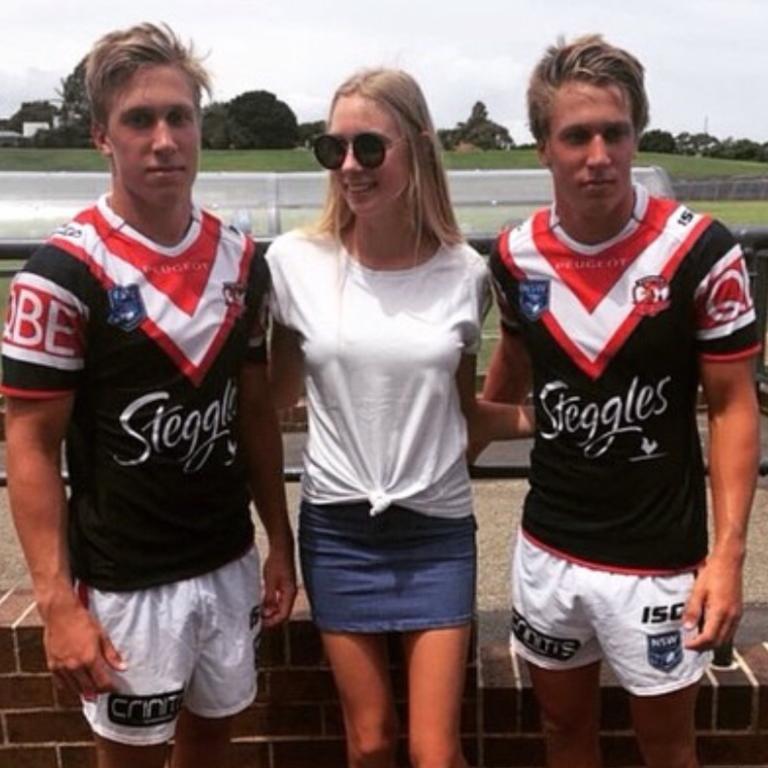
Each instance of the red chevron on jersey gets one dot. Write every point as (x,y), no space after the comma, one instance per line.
(181,274)
(597,298)
(188,306)
(608,265)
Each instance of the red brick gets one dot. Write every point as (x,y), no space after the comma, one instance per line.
(46,725)
(530,720)
(78,757)
(620,751)
(734,696)
(276,719)
(500,710)
(305,646)
(301,685)
(510,752)
(469,748)
(29,643)
(615,714)
(7,652)
(272,648)
(317,753)
(249,754)
(25,691)
(66,698)
(262,686)
(469,715)
(333,720)
(756,658)
(28,757)
(733,749)
(705,702)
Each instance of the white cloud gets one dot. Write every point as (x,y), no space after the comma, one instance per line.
(705,59)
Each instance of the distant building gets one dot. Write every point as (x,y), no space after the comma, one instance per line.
(10,138)
(29,129)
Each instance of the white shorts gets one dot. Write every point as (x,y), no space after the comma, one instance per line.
(566,615)
(192,643)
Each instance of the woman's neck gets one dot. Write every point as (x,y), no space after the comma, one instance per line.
(383,247)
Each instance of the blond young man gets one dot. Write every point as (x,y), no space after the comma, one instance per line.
(616,306)
(136,333)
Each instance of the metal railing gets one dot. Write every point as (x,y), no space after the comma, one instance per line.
(266,204)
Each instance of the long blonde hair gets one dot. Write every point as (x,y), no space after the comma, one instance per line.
(429,204)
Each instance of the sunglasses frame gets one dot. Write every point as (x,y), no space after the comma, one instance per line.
(364,156)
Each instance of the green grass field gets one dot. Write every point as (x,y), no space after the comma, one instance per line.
(12,159)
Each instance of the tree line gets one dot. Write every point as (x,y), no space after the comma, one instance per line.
(252,120)
(704,145)
(259,120)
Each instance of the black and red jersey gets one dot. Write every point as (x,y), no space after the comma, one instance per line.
(616,332)
(150,340)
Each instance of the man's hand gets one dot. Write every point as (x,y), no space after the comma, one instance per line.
(716,598)
(279,585)
(78,651)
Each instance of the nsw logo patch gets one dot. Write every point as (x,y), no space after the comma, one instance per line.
(665,650)
(126,308)
(534,298)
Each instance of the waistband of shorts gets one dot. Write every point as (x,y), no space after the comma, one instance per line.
(610,568)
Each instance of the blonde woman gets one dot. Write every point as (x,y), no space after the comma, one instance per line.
(378,313)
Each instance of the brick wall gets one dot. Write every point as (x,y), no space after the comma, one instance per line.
(296,721)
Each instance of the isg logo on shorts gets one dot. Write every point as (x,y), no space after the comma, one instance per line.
(665,650)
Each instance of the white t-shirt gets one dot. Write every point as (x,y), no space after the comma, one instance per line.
(381,350)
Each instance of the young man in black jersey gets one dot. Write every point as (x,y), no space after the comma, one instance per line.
(136,331)
(616,306)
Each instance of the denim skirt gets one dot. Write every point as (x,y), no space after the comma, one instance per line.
(398,571)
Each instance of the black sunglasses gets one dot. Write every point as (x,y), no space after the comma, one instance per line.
(369,149)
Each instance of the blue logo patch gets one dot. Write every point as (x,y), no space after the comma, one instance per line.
(126,309)
(665,650)
(534,298)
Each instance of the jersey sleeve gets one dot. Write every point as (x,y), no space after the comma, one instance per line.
(725,317)
(503,283)
(45,332)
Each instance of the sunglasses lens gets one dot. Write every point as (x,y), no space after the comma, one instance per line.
(330,151)
(369,149)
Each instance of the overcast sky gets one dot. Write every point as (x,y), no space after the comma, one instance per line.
(706,60)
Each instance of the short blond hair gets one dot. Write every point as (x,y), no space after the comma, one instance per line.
(588,59)
(116,56)
(429,202)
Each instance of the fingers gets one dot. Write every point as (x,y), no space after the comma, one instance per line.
(278,603)
(83,662)
(693,613)
(86,680)
(719,628)
(715,615)
(111,654)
